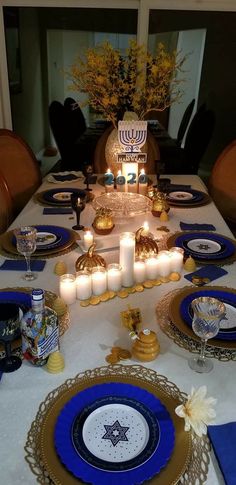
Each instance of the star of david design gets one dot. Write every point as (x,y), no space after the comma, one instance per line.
(204,247)
(115,433)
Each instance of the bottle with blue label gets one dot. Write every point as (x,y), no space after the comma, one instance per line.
(39,329)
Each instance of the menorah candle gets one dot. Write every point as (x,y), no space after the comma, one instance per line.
(109,181)
(139,271)
(152,267)
(130,172)
(67,288)
(176,259)
(88,239)
(142,182)
(99,280)
(83,285)
(114,277)
(121,182)
(164,263)
(127,256)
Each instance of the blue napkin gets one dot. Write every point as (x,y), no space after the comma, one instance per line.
(57,210)
(210,271)
(63,178)
(20,265)
(223,438)
(172,187)
(196,227)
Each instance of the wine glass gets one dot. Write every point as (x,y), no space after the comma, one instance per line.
(87,171)
(78,205)
(26,238)
(207,315)
(9,331)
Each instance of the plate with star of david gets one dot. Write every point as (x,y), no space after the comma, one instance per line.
(203,245)
(187,198)
(114,433)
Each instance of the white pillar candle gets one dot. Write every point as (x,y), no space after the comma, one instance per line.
(139,271)
(152,267)
(121,182)
(67,288)
(130,172)
(88,239)
(99,280)
(176,259)
(114,277)
(142,182)
(127,256)
(109,181)
(83,285)
(164,263)
(145,231)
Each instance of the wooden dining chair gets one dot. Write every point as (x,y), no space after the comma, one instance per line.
(222,184)
(19,167)
(6,206)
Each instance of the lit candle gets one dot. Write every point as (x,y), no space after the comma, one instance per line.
(99,280)
(142,182)
(145,230)
(127,256)
(121,182)
(130,172)
(109,181)
(176,259)
(152,267)
(114,277)
(164,263)
(139,271)
(88,239)
(68,288)
(83,285)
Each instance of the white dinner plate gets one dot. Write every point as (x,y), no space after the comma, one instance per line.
(180,195)
(62,196)
(45,238)
(202,246)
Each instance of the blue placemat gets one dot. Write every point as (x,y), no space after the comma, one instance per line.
(172,187)
(223,438)
(57,210)
(196,227)
(211,272)
(20,265)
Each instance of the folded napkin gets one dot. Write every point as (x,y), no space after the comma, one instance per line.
(223,439)
(196,227)
(20,265)
(57,210)
(63,178)
(210,271)
(172,187)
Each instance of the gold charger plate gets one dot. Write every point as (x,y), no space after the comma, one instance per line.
(8,246)
(170,242)
(206,199)
(39,197)
(188,462)
(177,320)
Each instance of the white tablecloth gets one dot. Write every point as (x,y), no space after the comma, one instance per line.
(94,330)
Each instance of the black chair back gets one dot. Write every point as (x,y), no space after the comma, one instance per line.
(184,122)
(75,117)
(197,139)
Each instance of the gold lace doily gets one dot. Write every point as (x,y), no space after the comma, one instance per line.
(187,466)
(63,320)
(183,340)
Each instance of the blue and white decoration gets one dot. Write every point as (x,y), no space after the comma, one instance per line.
(132,136)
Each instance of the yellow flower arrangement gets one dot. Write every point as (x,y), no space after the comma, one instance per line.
(138,82)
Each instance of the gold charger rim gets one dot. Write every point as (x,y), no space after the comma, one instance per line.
(8,246)
(177,320)
(170,242)
(205,200)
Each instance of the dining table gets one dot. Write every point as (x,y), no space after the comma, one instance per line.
(94,330)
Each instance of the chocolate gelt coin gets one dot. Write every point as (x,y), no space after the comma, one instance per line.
(139,288)
(112,359)
(148,284)
(94,300)
(85,303)
(105,296)
(122,293)
(112,294)
(124,354)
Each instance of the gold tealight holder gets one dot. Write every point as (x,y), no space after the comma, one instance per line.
(145,245)
(103,222)
(159,204)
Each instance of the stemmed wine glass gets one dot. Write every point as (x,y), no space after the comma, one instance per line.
(87,171)
(9,331)
(207,315)
(26,238)
(78,206)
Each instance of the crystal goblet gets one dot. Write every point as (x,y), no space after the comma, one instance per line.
(9,331)
(207,315)
(26,239)
(78,206)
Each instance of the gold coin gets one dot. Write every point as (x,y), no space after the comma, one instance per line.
(139,288)
(105,296)
(165,279)
(112,294)
(156,282)
(115,350)
(112,359)
(94,300)
(124,354)
(131,289)
(148,284)
(85,303)
(174,276)
(206,280)
(122,293)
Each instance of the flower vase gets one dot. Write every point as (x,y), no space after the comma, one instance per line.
(112,148)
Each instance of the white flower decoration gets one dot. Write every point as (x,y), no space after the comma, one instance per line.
(197,411)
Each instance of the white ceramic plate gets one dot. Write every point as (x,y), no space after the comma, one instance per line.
(45,238)
(180,195)
(62,196)
(203,246)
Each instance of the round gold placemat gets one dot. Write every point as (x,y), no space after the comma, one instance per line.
(189,461)
(170,242)
(181,334)
(63,320)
